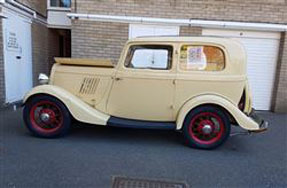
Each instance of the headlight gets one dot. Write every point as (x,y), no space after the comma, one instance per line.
(43,78)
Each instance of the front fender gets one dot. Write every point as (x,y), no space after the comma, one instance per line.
(78,109)
(242,119)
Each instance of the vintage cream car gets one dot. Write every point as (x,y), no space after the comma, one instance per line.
(197,85)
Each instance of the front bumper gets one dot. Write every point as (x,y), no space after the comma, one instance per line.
(263,125)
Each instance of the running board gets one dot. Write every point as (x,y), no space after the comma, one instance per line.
(139,124)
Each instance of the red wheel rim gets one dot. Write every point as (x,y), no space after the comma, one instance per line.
(46,117)
(206,128)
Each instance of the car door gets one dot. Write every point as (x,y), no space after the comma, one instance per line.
(143,88)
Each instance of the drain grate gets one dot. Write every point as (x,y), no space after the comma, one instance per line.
(124,182)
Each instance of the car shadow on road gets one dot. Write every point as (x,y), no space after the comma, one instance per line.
(124,134)
(141,136)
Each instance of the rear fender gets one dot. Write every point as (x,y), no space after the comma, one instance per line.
(78,109)
(242,119)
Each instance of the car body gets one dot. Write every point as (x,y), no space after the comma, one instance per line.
(157,83)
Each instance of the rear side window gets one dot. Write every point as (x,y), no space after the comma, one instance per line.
(201,58)
(149,57)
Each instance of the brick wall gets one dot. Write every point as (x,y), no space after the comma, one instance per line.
(53,44)
(98,39)
(106,40)
(40,46)
(2,81)
(281,85)
(38,5)
(267,11)
(45,47)
(190,31)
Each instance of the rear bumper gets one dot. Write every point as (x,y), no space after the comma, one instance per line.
(262,124)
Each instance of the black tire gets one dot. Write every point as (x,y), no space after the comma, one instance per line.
(58,123)
(212,119)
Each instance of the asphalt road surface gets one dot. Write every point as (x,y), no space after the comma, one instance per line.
(90,156)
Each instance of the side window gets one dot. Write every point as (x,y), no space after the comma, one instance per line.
(207,58)
(149,57)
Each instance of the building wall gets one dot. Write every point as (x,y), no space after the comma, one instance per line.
(45,46)
(53,46)
(38,5)
(267,11)
(281,84)
(190,31)
(39,50)
(2,81)
(106,40)
(98,39)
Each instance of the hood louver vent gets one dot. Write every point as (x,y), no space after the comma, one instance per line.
(89,86)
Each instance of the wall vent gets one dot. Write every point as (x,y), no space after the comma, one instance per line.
(89,86)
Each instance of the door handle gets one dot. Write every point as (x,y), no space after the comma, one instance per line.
(117,79)
(18,57)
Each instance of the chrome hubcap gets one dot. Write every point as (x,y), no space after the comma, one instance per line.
(206,129)
(45,117)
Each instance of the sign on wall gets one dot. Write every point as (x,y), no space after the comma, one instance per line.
(12,41)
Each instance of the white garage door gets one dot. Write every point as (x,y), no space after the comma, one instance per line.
(137,30)
(262,53)
(17,56)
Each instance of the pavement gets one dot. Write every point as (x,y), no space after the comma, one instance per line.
(90,156)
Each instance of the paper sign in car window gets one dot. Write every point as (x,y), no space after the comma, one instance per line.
(196,58)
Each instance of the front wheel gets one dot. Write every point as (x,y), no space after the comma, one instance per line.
(206,127)
(46,116)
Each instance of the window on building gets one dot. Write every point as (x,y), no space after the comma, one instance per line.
(208,58)
(60,3)
(149,57)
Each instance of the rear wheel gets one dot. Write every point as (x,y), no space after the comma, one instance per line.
(206,127)
(46,116)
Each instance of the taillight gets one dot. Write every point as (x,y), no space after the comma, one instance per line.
(241,103)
